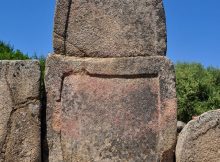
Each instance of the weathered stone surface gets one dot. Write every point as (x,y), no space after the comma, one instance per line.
(20,111)
(110,28)
(180,126)
(200,138)
(110,109)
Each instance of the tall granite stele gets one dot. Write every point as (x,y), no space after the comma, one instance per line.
(110,89)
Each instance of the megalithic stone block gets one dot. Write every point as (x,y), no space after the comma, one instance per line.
(110,109)
(110,28)
(110,90)
(199,140)
(20,111)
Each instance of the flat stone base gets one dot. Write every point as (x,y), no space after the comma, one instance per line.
(20,111)
(110,109)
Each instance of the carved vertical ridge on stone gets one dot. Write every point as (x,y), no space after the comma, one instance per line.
(67,24)
(159,119)
(161,33)
(61,146)
(60,25)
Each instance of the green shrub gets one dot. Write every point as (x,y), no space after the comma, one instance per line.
(7,52)
(198,89)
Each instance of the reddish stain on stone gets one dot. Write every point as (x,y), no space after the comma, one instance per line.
(56,117)
(70,128)
(127,105)
(169,113)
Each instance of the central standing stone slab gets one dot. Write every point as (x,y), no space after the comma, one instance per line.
(110,91)
(110,109)
(110,28)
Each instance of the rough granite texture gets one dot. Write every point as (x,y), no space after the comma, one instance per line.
(180,126)
(110,109)
(109,28)
(20,111)
(199,140)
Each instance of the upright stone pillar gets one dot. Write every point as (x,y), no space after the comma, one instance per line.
(110,89)
(20,111)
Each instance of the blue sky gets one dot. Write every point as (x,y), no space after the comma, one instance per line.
(193,28)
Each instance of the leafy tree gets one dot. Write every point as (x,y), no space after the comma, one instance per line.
(7,52)
(198,89)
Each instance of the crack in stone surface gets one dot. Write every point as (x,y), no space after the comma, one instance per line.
(20,106)
(8,127)
(67,24)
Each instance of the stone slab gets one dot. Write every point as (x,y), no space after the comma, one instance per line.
(110,109)
(20,111)
(199,140)
(109,28)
